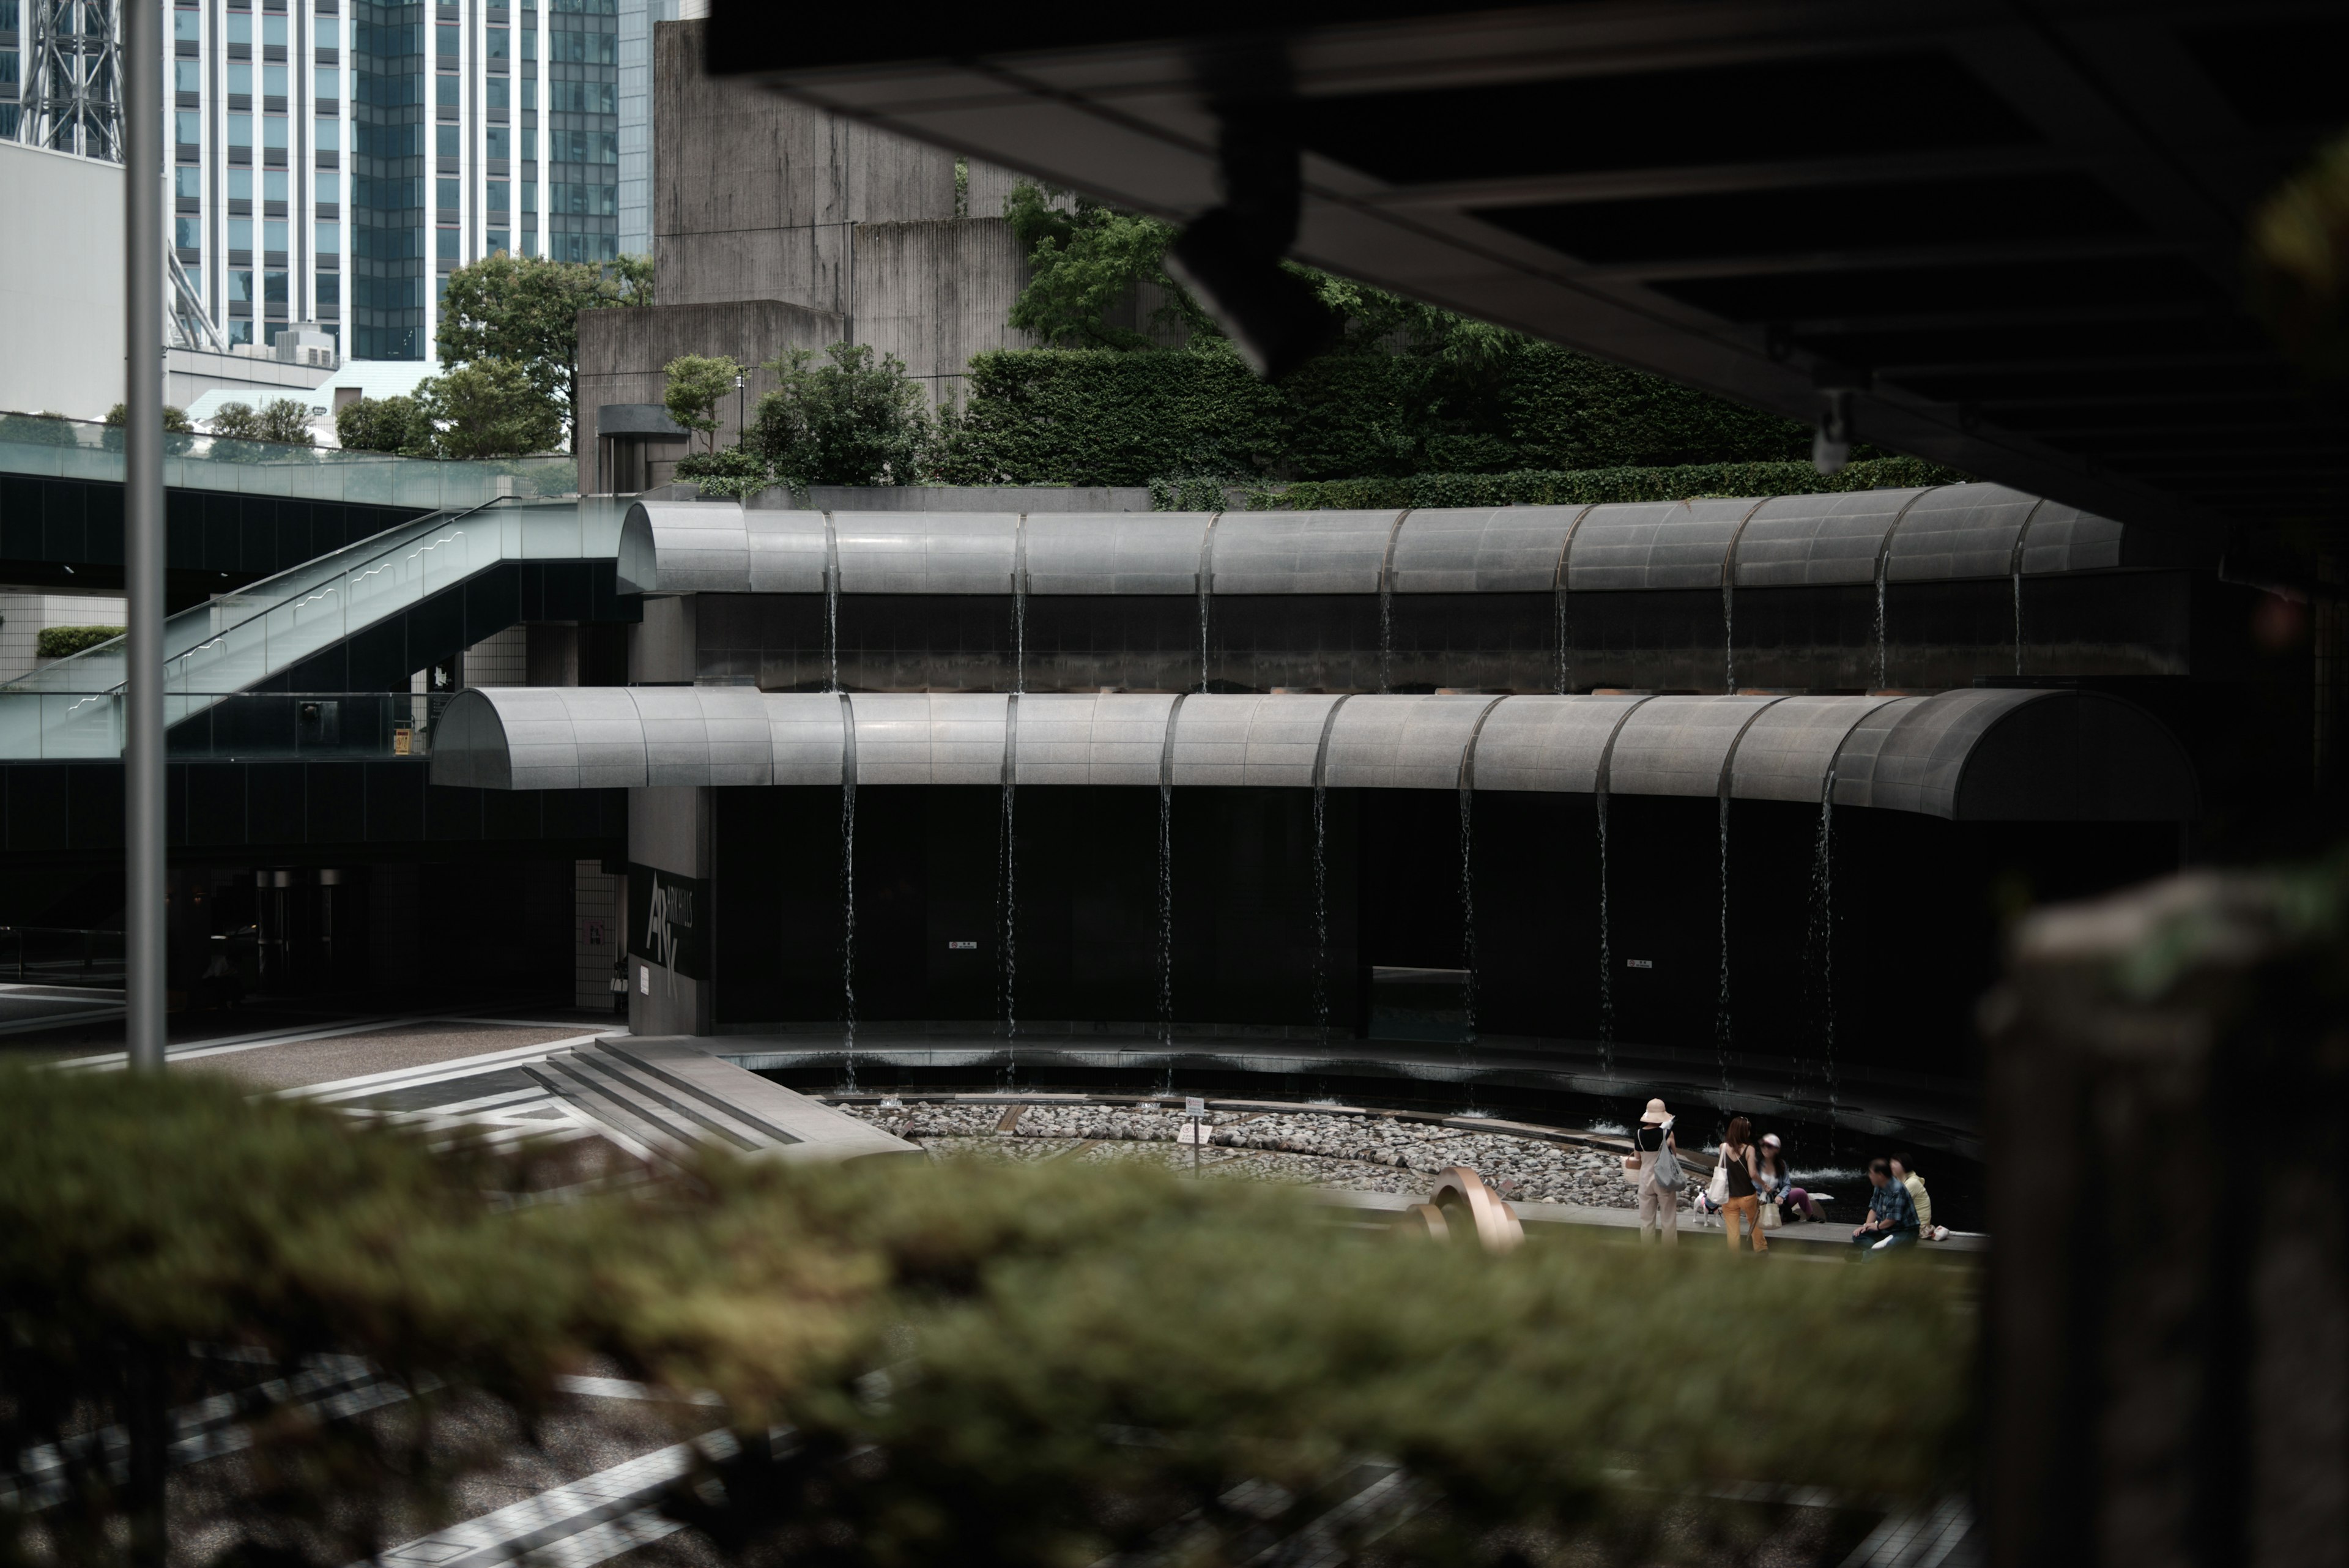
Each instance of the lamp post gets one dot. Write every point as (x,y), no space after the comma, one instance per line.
(143,530)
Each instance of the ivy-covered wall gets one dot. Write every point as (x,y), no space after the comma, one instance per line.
(1102,417)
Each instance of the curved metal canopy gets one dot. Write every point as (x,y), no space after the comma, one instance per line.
(1971,756)
(1947,533)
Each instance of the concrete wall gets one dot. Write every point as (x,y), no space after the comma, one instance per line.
(934,293)
(189,373)
(61,282)
(661,646)
(501,658)
(623,356)
(24,615)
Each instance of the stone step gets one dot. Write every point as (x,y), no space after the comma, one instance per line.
(669,1094)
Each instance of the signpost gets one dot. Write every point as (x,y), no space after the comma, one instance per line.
(1194,1130)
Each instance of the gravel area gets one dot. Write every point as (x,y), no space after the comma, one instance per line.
(1367,1153)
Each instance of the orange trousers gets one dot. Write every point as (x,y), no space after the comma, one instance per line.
(1748,1207)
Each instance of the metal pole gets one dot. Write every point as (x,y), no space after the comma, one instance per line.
(143,528)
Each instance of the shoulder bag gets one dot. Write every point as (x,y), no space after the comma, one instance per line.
(1716,1191)
(1668,1166)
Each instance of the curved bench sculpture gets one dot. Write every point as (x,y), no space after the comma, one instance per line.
(1462,1207)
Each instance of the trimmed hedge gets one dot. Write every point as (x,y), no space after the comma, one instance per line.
(1575,487)
(65,641)
(1037,416)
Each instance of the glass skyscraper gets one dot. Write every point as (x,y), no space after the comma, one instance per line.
(336,159)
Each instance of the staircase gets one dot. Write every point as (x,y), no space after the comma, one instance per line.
(667,1094)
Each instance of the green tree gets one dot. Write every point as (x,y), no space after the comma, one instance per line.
(384,424)
(489,408)
(1086,260)
(695,383)
(281,422)
(175,421)
(525,311)
(850,422)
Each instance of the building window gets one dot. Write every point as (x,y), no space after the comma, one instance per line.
(330,32)
(529,243)
(272,31)
(188,233)
(239,287)
(529,144)
(273,287)
(330,239)
(240,29)
(189,127)
(326,191)
(240,131)
(498,41)
(448,250)
(188,27)
(499,141)
(273,81)
(329,135)
(445,41)
(274,186)
(498,92)
(195,278)
(274,236)
(330,288)
(240,330)
(445,194)
(240,77)
(188,184)
(187,76)
(445,140)
(530,195)
(529,93)
(273,130)
(444,91)
(327,82)
(240,184)
(240,233)
(498,241)
(501,196)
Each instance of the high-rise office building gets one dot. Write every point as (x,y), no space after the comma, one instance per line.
(333,161)
(337,159)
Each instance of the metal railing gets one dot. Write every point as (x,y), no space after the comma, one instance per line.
(61,955)
(243,726)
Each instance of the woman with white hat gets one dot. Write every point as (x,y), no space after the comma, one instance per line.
(1655,1166)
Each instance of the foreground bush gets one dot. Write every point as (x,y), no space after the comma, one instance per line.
(1031,1365)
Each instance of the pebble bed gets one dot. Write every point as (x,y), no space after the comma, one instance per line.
(1366,1153)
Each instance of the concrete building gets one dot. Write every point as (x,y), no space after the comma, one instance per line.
(777,226)
(60,283)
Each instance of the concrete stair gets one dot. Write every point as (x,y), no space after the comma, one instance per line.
(669,1094)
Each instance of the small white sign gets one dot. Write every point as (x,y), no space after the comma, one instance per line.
(644,980)
(1638,963)
(1194,1132)
(1193,1106)
(962,946)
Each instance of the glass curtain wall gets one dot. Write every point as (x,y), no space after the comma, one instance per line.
(582,131)
(387,183)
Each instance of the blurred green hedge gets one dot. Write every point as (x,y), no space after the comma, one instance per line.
(1552,487)
(65,641)
(1041,416)
(1032,1365)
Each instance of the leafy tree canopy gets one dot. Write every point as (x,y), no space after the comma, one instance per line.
(281,421)
(175,421)
(525,310)
(384,424)
(696,382)
(849,420)
(1088,261)
(488,408)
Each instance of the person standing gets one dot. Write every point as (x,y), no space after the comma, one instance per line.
(1891,1220)
(1776,1184)
(1743,1201)
(1654,1167)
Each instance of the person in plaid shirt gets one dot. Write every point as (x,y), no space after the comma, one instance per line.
(1892,1214)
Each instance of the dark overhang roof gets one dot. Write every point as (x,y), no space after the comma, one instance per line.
(2026,223)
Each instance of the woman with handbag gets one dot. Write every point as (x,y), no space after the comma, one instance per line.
(1739,1180)
(1776,1184)
(1653,1166)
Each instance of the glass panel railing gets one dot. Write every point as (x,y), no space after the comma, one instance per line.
(230,726)
(243,638)
(77,449)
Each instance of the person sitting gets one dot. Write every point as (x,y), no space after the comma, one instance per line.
(1891,1221)
(1904,1171)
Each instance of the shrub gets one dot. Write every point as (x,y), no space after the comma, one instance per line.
(175,421)
(734,473)
(990,1366)
(36,430)
(1103,417)
(281,422)
(485,409)
(850,422)
(65,641)
(383,424)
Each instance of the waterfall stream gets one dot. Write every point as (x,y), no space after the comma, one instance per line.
(1321,914)
(1721,1007)
(1819,945)
(1880,658)
(1565,648)
(1728,634)
(1007,867)
(1167,915)
(832,603)
(1605,952)
(1468,907)
(2018,621)
(848,919)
